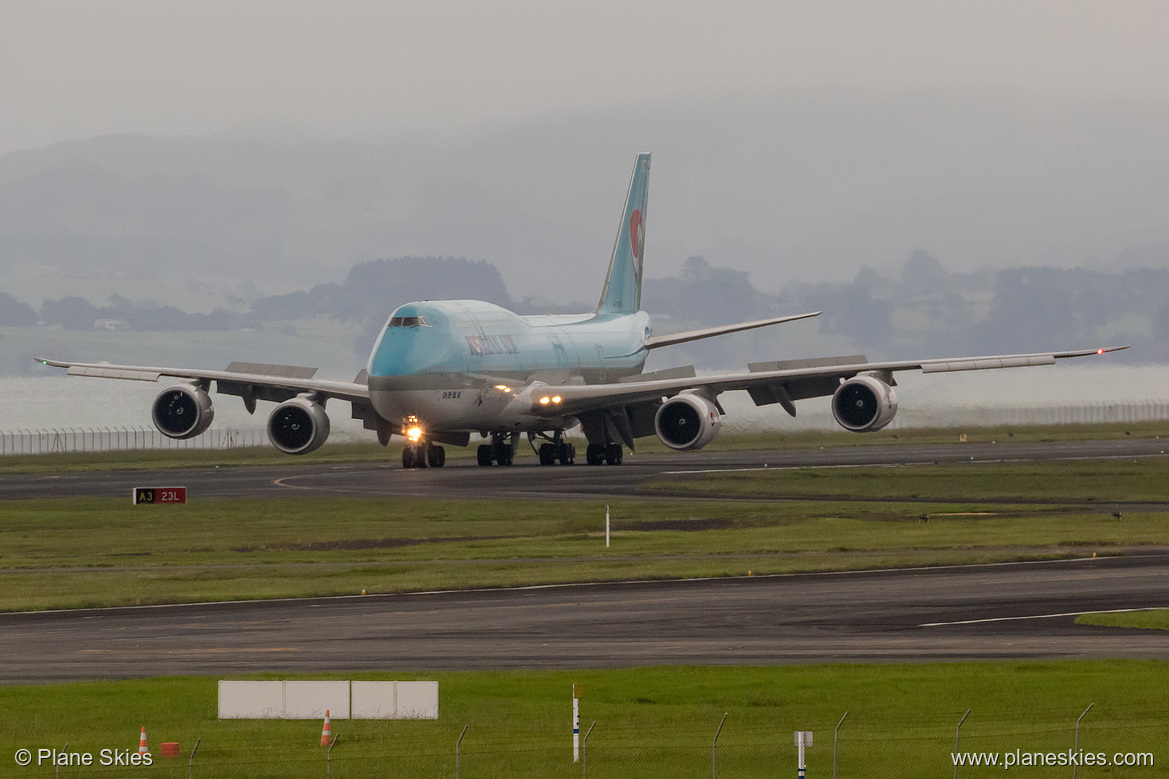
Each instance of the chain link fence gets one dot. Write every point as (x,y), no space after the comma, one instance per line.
(109,439)
(1099,413)
(1054,743)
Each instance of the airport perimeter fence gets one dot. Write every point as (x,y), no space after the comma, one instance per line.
(111,439)
(1098,413)
(1064,743)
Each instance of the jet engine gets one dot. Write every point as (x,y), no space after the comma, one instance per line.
(687,421)
(183,411)
(864,404)
(298,426)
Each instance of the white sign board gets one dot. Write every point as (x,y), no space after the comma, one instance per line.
(417,700)
(374,700)
(309,700)
(251,700)
(342,699)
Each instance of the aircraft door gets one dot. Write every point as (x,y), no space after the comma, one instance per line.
(561,355)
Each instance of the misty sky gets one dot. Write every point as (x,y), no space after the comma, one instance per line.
(75,69)
(793,140)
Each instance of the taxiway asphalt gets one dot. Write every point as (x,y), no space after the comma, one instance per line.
(527,479)
(1021,610)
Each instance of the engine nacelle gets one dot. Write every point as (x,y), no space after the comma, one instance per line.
(864,404)
(183,411)
(298,426)
(687,421)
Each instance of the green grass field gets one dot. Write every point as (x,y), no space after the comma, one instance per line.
(650,722)
(77,553)
(1153,619)
(1145,479)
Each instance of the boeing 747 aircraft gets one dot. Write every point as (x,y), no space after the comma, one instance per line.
(444,370)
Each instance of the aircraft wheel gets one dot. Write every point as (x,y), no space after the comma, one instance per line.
(567,454)
(436,456)
(502,452)
(547,454)
(595,454)
(484,454)
(614,454)
(414,457)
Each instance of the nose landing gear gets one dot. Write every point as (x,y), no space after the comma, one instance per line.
(423,455)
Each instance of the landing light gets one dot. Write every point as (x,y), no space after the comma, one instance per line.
(503,388)
(556,399)
(544,401)
(414,434)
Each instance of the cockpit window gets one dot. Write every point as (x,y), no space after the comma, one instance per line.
(409,321)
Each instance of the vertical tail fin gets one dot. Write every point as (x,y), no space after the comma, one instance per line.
(622,292)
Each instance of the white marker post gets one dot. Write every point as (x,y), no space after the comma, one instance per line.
(606,527)
(803,739)
(576,690)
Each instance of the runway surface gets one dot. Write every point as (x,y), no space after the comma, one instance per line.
(958,613)
(526,479)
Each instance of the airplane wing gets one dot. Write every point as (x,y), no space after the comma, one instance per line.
(632,401)
(251,381)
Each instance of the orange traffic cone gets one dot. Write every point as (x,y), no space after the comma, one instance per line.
(326,732)
(142,750)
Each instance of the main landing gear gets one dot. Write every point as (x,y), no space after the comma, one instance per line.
(597,454)
(501,450)
(423,455)
(555,450)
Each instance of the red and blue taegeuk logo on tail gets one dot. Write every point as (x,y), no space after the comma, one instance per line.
(636,240)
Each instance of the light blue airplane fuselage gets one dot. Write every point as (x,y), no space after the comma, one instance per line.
(457,364)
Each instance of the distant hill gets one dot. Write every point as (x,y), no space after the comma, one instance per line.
(806,187)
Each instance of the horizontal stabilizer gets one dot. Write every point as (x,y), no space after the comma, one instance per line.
(657,341)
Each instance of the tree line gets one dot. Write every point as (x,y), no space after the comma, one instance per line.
(922,311)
